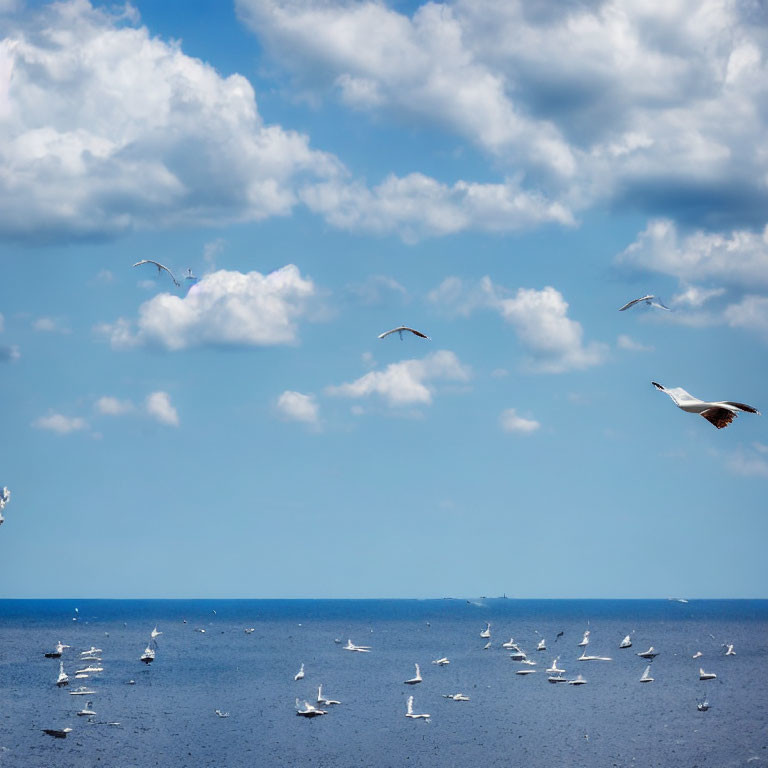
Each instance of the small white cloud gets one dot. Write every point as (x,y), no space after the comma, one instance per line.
(542,325)
(105,277)
(749,463)
(695,296)
(51,325)
(62,425)
(629,344)
(226,308)
(298,407)
(9,353)
(407,382)
(376,290)
(511,422)
(750,313)
(159,407)
(111,406)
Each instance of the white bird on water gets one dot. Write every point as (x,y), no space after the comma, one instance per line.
(322,700)
(416,678)
(350,646)
(648,299)
(410,713)
(399,330)
(718,412)
(160,268)
(300,674)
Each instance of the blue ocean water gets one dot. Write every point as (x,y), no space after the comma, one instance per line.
(167,717)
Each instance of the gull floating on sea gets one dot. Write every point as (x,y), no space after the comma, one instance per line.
(720,413)
(410,713)
(648,299)
(416,679)
(399,330)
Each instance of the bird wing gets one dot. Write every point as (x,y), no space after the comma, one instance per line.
(720,417)
(394,330)
(159,266)
(742,407)
(417,333)
(635,301)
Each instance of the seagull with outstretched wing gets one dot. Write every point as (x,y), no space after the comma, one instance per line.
(649,300)
(399,330)
(160,268)
(720,413)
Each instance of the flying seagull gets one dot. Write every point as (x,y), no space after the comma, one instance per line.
(160,268)
(399,330)
(719,413)
(649,300)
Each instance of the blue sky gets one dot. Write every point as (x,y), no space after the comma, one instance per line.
(502,178)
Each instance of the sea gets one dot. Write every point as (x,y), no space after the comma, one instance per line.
(164,714)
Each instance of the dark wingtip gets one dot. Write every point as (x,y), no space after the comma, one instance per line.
(658,386)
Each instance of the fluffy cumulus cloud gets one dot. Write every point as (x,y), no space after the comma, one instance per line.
(158,405)
(511,421)
(112,406)
(409,382)
(417,206)
(158,138)
(661,105)
(629,344)
(227,308)
(732,265)
(554,342)
(739,258)
(62,425)
(295,406)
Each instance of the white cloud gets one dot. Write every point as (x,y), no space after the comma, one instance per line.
(376,290)
(51,325)
(695,296)
(158,138)
(111,406)
(408,382)
(417,206)
(540,319)
(737,259)
(511,422)
(628,343)
(9,353)
(749,462)
(660,105)
(298,407)
(159,407)
(224,308)
(750,313)
(62,425)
